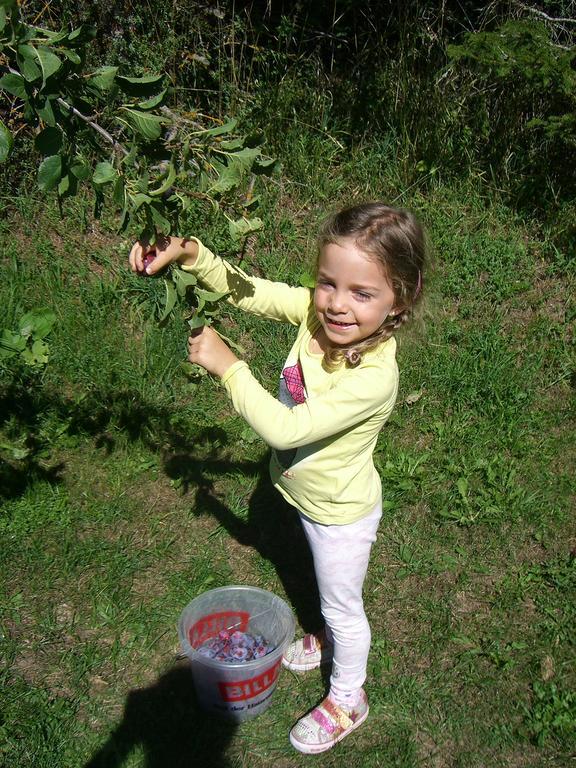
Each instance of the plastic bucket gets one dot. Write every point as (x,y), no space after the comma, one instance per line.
(237,690)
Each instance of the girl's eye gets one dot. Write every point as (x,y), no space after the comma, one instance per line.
(363,296)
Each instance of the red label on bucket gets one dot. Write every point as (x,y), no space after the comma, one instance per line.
(248,689)
(208,626)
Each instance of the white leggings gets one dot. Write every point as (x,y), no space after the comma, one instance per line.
(341,554)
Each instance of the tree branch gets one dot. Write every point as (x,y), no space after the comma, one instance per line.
(538,12)
(88,120)
(98,128)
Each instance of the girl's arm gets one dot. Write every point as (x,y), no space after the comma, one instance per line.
(266,298)
(359,394)
(272,300)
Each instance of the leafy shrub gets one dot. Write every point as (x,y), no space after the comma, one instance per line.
(521,106)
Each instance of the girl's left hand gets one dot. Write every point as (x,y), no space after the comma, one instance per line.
(206,348)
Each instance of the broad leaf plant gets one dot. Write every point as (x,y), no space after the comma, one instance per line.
(119,135)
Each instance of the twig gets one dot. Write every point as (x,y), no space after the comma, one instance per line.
(88,120)
(538,12)
(98,128)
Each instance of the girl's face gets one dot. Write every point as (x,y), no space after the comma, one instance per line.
(352,297)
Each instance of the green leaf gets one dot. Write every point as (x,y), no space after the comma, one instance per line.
(169,301)
(265,166)
(148,126)
(160,222)
(119,193)
(251,202)
(187,278)
(231,145)
(232,344)
(36,355)
(49,141)
(49,62)
(227,127)
(209,296)
(182,281)
(166,184)
(103,78)
(40,352)
(244,227)
(82,33)
(64,185)
(14,84)
(68,185)
(46,113)
(27,59)
(6,142)
(52,37)
(139,199)
(193,372)
(196,321)
(71,56)
(104,173)
(244,158)
(144,80)
(140,86)
(248,435)
(13,342)
(154,101)
(142,182)
(37,323)
(229,177)
(81,170)
(50,173)
(130,158)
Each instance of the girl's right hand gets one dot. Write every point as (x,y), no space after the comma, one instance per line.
(150,259)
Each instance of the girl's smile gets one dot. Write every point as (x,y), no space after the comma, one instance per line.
(353,296)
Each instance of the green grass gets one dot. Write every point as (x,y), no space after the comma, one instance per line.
(139,491)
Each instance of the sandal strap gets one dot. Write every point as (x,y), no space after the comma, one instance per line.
(310,644)
(330,717)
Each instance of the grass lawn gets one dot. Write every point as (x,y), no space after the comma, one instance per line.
(126,491)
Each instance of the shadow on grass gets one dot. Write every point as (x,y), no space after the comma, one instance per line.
(34,418)
(272,526)
(165,722)
(194,458)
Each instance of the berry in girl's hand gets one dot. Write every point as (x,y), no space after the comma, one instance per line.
(146,261)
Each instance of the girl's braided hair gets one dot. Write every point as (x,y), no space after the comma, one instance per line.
(393,238)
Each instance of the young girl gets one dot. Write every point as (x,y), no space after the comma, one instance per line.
(337,389)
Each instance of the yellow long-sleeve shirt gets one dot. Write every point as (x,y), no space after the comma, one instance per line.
(333,424)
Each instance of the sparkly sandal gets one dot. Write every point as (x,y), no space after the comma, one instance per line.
(310,652)
(326,725)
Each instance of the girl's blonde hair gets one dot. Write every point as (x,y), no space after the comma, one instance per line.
(393,238)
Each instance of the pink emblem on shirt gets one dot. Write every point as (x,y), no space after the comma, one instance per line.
(295,382)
